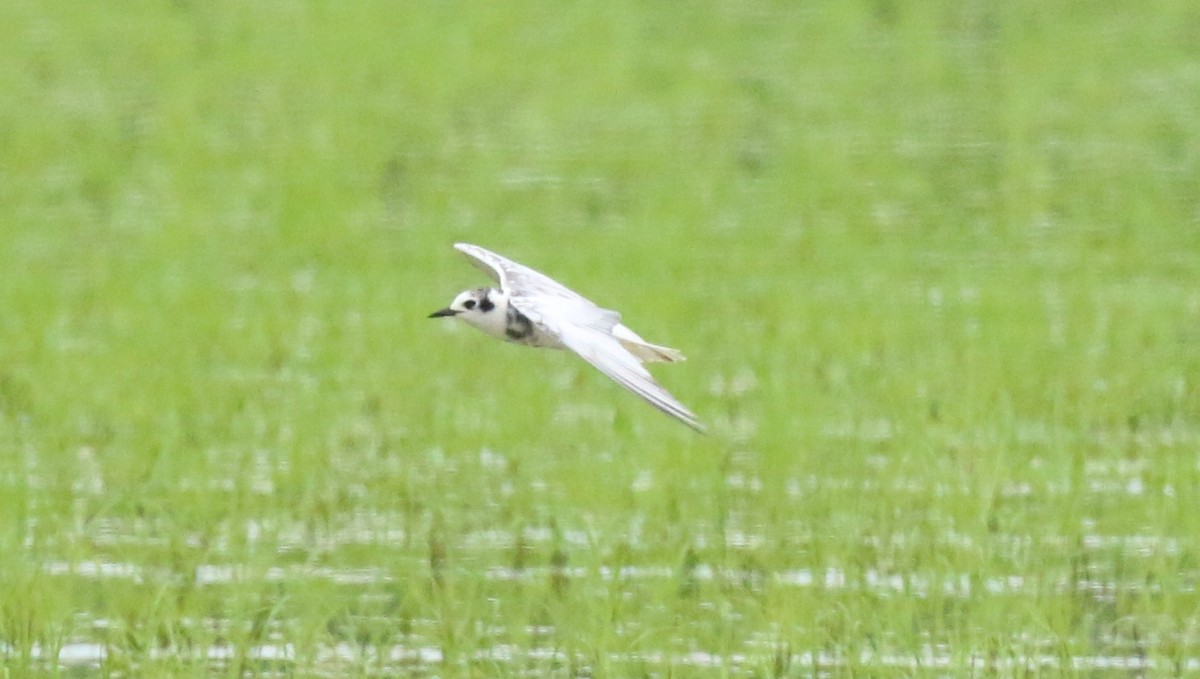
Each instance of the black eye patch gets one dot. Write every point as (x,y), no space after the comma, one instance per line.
(469,304)
(486,304)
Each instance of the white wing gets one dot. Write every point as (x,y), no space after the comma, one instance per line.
(537,295)
(516,279)
(604,352)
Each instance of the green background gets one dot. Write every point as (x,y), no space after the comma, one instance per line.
(936,266)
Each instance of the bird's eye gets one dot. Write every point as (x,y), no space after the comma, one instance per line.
(469,304)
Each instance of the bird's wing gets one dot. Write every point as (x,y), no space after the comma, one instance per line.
(515,279)
(486,261)
(537,295)
(605,352)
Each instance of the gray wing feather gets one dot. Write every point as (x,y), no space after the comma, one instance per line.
(604,352)
(537,295)
(515,279)
(487,262)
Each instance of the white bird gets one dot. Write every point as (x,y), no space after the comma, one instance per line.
(533,309)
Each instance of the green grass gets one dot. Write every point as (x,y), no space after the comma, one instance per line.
(936,265)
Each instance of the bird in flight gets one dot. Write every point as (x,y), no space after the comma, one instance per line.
(533,309)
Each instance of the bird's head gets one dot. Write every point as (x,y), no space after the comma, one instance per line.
(481,307)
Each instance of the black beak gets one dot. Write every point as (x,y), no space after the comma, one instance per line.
(443,312)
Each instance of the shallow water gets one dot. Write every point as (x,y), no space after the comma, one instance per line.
(1136,585)
(488,552)
(401,658)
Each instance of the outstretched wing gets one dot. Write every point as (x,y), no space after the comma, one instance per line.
(487,261)
(537,295)
(605,352)
(515,279)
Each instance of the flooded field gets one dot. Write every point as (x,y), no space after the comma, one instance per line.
(758,587)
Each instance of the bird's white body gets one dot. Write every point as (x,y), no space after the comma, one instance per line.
(502,321)
(533,309)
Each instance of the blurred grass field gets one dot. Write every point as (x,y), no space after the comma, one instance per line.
(936,266)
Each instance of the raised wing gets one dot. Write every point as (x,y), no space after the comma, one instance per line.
(605,352)
(486,261)
(537,295)
(515,279)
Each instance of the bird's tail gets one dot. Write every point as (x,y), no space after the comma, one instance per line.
(643,350)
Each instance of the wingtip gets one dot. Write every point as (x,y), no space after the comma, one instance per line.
(690,419)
